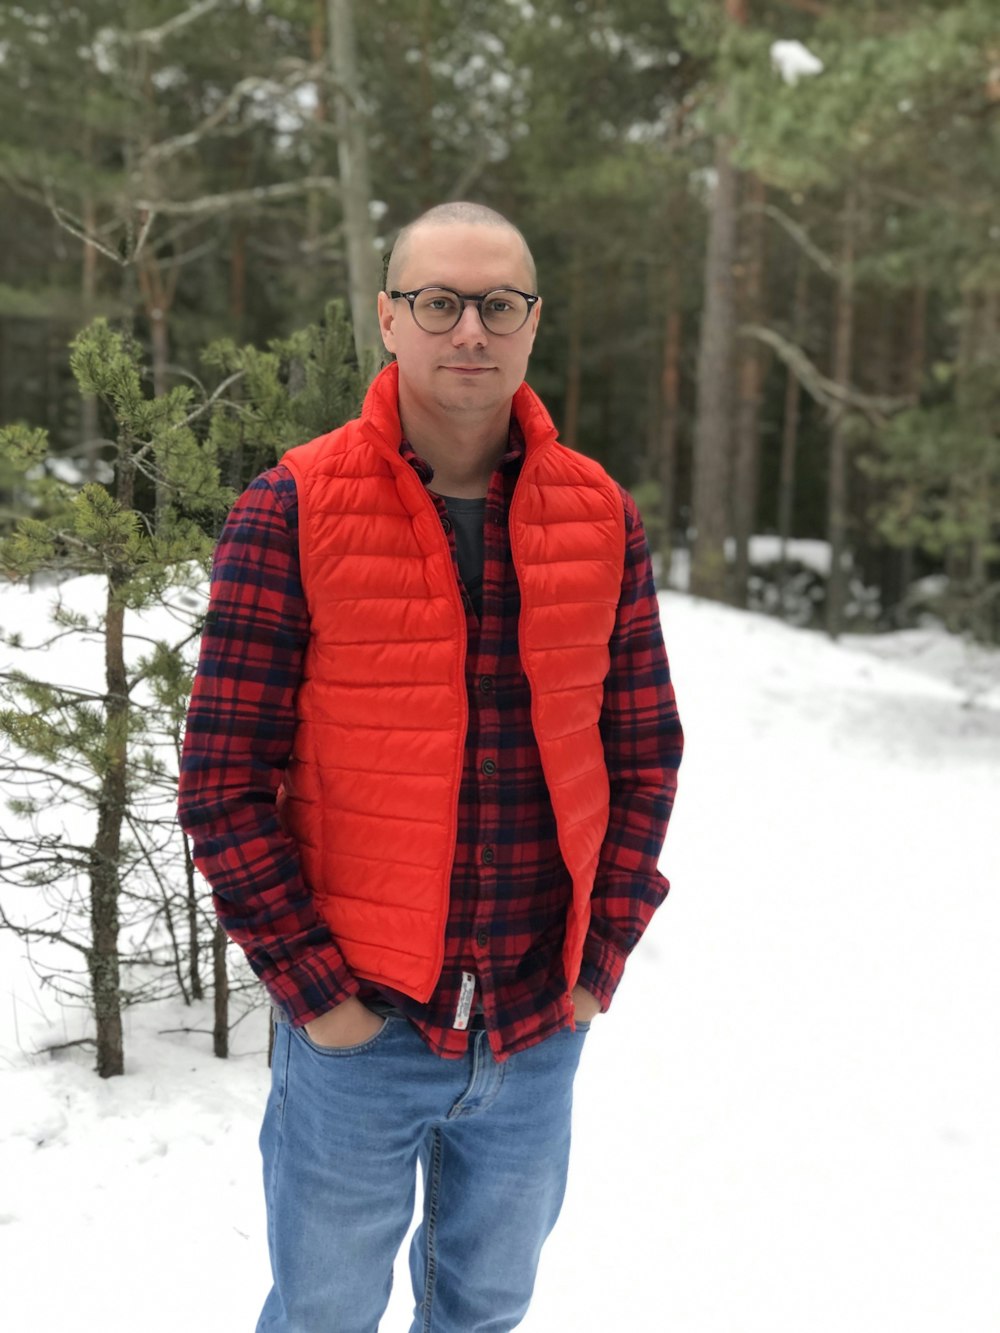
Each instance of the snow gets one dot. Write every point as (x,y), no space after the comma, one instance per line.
(794,61)
(789,1120)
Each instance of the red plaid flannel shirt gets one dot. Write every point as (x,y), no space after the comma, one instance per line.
(507,911)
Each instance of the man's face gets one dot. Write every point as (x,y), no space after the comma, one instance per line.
(469,369)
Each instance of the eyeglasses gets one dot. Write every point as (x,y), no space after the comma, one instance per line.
(438,309)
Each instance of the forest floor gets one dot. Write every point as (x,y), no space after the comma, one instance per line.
(789,1121)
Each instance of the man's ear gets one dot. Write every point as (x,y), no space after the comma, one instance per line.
(386,318)
(536,315)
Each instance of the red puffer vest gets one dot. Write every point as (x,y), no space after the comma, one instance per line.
(371,793)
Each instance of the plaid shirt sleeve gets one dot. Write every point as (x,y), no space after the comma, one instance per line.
(240,728)
(642,744)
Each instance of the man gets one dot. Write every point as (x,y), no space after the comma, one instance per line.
(430,759)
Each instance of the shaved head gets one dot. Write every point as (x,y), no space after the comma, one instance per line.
(451,215)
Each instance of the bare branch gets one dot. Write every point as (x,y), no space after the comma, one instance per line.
(799,235)
(187,256)
(245,88)
(77,229)
(156,36)
(63,780)
(17,678)
(143,237)
(834,398)
(217,203)
(37,933)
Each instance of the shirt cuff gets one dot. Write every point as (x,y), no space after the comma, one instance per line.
(312,985)
(602,969)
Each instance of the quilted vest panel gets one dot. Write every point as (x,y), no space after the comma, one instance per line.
(371,792)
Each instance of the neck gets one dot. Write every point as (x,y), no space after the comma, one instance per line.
(463,450)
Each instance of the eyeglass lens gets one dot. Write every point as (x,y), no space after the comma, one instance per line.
(436,310)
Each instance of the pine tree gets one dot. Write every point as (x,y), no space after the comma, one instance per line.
(112,751)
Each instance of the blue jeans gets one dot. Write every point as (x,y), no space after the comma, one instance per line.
(342,1134)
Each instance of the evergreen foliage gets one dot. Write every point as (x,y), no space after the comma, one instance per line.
(119,890)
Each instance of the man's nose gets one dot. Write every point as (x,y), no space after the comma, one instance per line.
(470,327)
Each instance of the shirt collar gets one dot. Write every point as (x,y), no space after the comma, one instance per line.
(509,462)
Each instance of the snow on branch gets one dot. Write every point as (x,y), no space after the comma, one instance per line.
(794,61)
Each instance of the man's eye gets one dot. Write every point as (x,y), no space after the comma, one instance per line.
(499,306)
(437,303)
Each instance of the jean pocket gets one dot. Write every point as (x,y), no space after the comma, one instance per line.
(343,1050)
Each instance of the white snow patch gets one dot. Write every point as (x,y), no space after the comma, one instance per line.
(794,61)
(789,1120)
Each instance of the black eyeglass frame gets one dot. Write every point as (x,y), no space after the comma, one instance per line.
(532,298)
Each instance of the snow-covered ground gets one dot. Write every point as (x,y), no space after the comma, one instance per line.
(788,1123)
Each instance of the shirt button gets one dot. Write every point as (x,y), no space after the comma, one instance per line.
(488,767)
(486,684)
(488,855)
(482,938)
(466,601)
(446,524)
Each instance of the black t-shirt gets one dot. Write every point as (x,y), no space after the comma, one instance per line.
(467,517)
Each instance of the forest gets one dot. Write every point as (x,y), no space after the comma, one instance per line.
(766,238)
(766,234)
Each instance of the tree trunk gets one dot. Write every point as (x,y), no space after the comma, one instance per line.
(194,942)
(220,978)
(105,886)
(670,414)
(427,197)
(355,188)
(978,348)
(713,422)
(746,483)
(837,496)
(571,409)
(308,286)
(89,419)
(790,432)
(712,460)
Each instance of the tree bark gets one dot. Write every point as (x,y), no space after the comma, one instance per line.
(220,977)
(89,418)
(308,286)
(355,187)
(749,378)
(427,108)
(105,887)
(712,466)
(712,461)
(194,941)
(670,413)
(837,495)
(571,409)
(790,430)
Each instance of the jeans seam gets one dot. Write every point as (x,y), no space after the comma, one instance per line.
(279,1142)
(433,1186)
